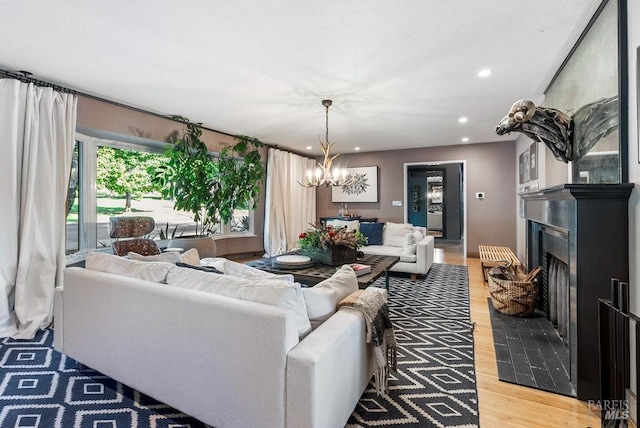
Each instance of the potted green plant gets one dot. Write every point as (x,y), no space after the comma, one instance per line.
(209,186)
(329,245)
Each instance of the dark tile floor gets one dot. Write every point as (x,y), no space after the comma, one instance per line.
(529,352)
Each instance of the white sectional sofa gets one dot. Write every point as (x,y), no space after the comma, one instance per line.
(410,243)
(227,361)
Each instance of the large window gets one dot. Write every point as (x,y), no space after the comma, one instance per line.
(111,177)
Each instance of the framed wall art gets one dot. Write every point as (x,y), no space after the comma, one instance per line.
(521,168)
(363,189)
(415,198)
(524,167)
(533,161)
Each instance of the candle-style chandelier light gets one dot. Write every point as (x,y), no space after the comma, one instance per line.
(323,175)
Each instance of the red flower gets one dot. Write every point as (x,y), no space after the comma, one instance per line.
(332,234)
(329,227)
(302,235)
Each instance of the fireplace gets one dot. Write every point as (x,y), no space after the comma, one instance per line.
(578,234)
(557,295)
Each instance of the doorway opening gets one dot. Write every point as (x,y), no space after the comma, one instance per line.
(435,197)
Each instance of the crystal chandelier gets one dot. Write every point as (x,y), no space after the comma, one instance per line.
(323,175)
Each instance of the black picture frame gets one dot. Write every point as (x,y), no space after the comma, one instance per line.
(533,161)
(523,167)
(583,79)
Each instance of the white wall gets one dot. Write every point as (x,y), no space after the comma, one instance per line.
(633,27)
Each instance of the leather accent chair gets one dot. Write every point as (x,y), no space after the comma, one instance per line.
(129,232)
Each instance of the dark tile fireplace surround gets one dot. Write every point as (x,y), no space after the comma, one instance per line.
(583,227)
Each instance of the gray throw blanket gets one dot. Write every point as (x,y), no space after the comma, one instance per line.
(379,332)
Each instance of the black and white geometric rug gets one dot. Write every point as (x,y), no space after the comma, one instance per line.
(45,389)
(434,386)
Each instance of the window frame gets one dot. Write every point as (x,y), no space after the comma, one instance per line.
(88,142)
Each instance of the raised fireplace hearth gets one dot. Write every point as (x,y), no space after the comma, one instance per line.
(579,235)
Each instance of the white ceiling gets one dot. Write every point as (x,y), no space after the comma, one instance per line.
(400,73)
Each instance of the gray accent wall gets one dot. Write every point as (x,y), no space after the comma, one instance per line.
(489,169)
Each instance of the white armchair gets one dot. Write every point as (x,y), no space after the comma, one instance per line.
(415,252)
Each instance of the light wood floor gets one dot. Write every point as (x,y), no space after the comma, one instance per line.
(503,404)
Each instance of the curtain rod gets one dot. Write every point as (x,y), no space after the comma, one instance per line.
(284,149)
(25,77)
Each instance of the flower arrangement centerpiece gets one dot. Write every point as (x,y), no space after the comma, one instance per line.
(331,246)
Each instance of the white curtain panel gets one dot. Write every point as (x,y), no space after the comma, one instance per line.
(289,206)
(37,128)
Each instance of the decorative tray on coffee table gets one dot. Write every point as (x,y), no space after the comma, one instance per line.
(292,262)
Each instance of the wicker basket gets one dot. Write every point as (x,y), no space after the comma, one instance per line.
(518,298)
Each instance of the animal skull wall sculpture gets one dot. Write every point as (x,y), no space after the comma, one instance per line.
(568,138)
(548,125)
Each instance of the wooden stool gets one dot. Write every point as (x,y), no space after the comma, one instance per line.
(491,256)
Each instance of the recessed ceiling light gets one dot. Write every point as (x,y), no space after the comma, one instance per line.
(463,120)
(485,72)
(465,139)
(356,148)
(308,147)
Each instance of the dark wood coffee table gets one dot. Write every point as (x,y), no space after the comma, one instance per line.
(318,272)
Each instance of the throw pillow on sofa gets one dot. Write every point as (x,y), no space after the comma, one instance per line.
(409,246)
(373,232)
(321,300)
(170,257)
(149,271)
(394,234)
(190,256)
(229,267)
(274,292)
